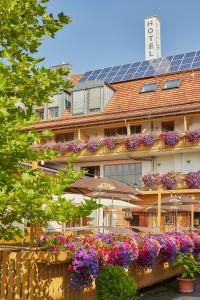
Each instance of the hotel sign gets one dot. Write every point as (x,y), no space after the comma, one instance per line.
(152,38)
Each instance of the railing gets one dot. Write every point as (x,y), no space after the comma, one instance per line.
(40,275)
(143,143)
(159,145)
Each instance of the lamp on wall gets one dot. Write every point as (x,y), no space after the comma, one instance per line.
(188,161)
(158,164)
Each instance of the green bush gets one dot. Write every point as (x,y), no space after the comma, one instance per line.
(114,283)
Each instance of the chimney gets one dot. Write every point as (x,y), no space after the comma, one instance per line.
(152,38)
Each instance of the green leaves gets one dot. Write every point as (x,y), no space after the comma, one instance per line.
(190,266)
(24,193)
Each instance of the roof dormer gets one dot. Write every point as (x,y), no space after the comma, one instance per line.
(90,97)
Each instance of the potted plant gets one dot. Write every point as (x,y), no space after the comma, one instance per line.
(190,268)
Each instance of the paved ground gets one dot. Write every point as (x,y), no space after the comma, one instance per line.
(167,290)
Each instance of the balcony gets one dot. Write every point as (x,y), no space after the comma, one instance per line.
(137,145)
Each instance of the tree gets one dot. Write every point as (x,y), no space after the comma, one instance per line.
(26,193)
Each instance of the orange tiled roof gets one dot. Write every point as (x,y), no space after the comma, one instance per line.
(75,78)
(129,103)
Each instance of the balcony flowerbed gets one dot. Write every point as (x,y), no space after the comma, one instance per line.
(85,255)
(172,180)
(130,143)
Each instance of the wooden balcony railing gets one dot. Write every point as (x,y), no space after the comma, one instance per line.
(100,148)
(159,145)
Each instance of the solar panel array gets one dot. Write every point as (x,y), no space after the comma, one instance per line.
(146,68)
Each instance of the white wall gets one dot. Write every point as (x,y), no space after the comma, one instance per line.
(180,162)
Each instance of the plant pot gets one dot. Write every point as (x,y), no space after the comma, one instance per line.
(186,286)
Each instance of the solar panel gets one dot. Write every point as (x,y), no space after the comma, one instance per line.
(146,68)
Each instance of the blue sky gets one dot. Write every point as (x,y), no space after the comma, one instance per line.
(111,32)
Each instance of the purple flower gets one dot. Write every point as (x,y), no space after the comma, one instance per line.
(192,180)
(193,135)
(152,180)
(170,180)
(111,142)
(171,138)
(146,139)
(84,268)
(94,145)
(131,142)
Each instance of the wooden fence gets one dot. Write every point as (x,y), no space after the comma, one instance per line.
(40,275)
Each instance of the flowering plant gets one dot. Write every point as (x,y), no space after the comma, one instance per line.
(111,141)
(152,180)
(193,135)
(192,180)
(170,180)
(146,139)
(171,138)
(131,142)
(148,252)
(88,254)
(94,145)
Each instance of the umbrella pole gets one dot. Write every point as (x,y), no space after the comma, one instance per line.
(192,216)
(159,210)
(111,213)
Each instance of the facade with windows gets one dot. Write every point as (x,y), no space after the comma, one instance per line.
(105,115)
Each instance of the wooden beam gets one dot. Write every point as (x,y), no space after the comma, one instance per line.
(185,123)
(181,191)
(128,129)
(159,210)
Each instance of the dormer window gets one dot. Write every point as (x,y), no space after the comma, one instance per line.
(171,84)
(53,112)
(149,87)
(90,97)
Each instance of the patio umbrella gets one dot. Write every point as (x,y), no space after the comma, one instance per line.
(104,187)
(178,200)
(79,198)
(88,184)
(175,202)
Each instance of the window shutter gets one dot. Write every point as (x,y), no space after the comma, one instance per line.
(78,102)
(94,98)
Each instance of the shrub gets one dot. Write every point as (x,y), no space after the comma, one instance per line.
(114,282)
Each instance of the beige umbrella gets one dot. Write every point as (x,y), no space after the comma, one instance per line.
(89,184)
(175,202)
(104,188)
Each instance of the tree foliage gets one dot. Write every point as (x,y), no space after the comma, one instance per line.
(26,193)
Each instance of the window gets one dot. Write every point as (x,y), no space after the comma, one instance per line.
(168,219)
(115,131)
(64,137)
(40,113)
(136,129)
(92,171)
(67,104)
(149,87)
(167,126)
(90,97)
(127,173)
(94,99)
(53,112)
(171,84)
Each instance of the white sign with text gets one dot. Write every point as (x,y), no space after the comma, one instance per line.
(152,38)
